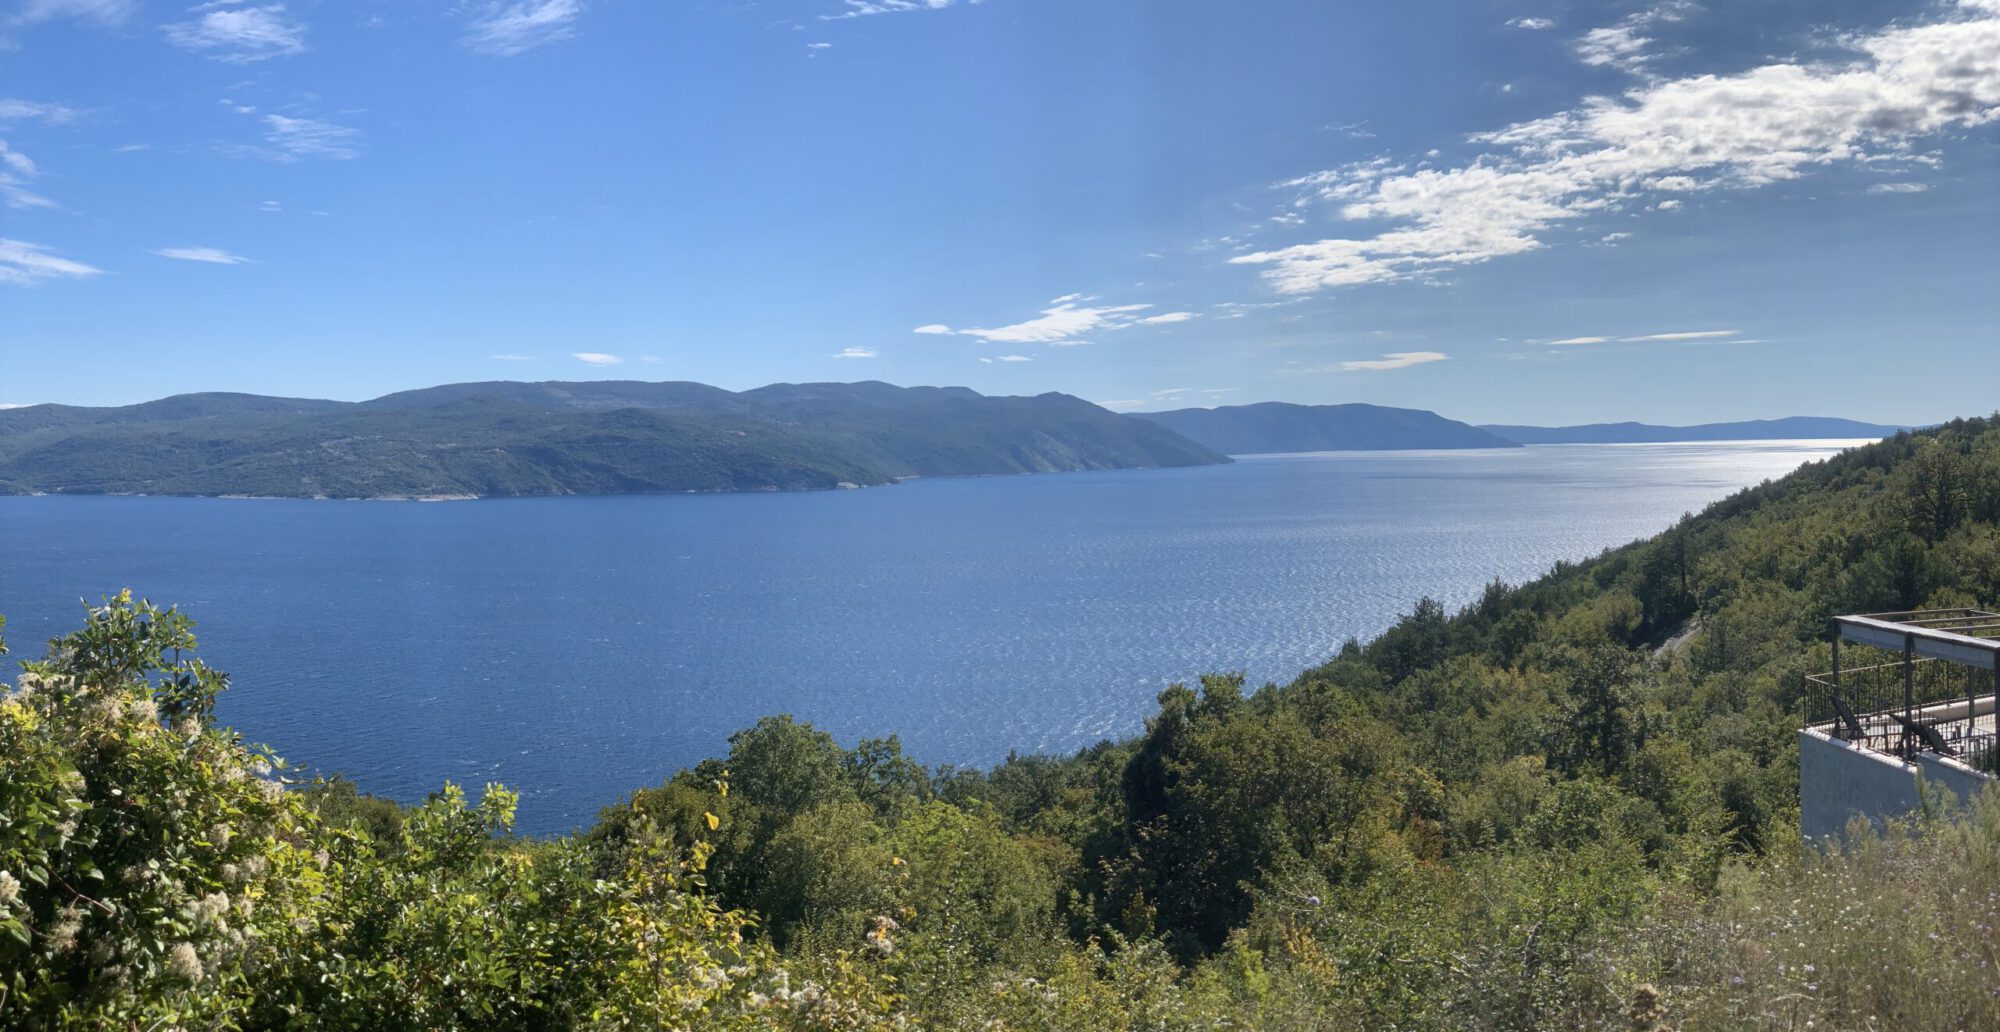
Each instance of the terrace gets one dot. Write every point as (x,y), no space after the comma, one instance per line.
(1909,693)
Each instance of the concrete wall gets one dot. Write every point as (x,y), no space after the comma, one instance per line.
(1838,780)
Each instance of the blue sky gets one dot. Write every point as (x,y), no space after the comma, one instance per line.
(1530,211)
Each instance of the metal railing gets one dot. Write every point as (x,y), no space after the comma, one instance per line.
(1908,707)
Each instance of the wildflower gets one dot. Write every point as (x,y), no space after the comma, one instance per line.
(183,963)
(10,889)
(143,710)
(69,924)
(210,908)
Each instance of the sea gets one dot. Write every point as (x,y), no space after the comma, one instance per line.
(577,649)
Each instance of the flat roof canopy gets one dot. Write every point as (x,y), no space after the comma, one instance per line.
(1968,636)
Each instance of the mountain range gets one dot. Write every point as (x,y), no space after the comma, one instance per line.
(504,438)
(1275,426)
(1791,428)
(602,437)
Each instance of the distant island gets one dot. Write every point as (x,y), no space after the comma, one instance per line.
(560,438)
(1275,426)
(1792,428)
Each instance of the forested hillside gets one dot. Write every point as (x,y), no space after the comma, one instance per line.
(556,438)
(1274,426)
(1571,805)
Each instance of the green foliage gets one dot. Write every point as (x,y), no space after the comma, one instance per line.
(501,439)
(1571,805)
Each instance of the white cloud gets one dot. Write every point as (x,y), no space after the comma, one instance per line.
(291,139)
(23,264)
(512,358)
(932,328)
(108,13)
(1612,238)
(15,404)
(506,29)
(1614,46)
(1220,390)
(1889,188)
(210,255)
(1685,335)
(1063,324)
(1167,317)
(1394,360)
(271,206)
(1123,403)
(1652,337)
(1014,358)
(1532,24)
(13,109)
(1170,392)
(597,358)
(1743,130)
(857,353)
(865,8)
(16,170)
(239,33)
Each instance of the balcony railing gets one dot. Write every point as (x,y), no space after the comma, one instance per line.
(1908,707)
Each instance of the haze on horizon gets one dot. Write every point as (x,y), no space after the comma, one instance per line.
(1519,212)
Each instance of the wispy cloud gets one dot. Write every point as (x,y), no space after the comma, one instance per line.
(597,358)
(108,13)
(293,139)
(210,255)
(857,352)
(1064,323)
(13,109)
(239,33)
(1123,403)
(1894,188)
(25,264)
(16,404)
(1685,335)
(1394,360)
(512,358)
(867,8)
(506,29)
(16,171)
(1743,130)
(1532,24)
(1647,338)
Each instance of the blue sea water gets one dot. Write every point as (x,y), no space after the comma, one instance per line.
(579,648)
